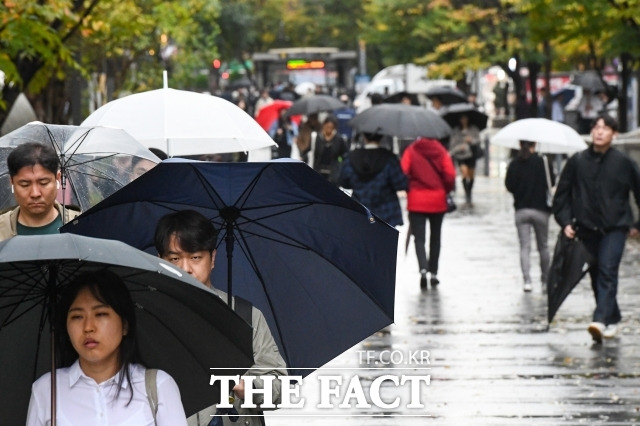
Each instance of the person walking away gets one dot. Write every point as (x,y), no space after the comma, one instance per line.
(103,381)
(262,101)
(526,179)
(431,175)
(329,149)
(375,175)
(344,116)
(592,203)
(188,240)
(34,172)
(589,107)
(284,132)
(465,150)
(307,135)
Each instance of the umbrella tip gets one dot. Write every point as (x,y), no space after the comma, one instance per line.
(165,79)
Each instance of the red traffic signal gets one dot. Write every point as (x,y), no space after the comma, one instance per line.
(216,63)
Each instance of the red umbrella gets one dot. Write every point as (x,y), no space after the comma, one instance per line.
(270,113)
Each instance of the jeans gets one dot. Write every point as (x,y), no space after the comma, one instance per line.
(607,250)
(526,219)
(418,223)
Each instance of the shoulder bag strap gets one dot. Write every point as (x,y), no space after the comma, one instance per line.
(152,391)
(244,309)
(546,172)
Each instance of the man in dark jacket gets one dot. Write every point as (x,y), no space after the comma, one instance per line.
(375,176)
(592,202)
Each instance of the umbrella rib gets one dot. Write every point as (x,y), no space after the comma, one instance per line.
(245,249)
(299,244)
(43,319)
(170,330)
(11,318)
(75,145)
(98,175)
(87,161)
(208,187)
(52,139)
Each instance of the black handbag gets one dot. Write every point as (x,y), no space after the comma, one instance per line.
(477,151)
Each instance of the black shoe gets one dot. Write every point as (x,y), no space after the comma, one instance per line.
(423,280)
(433,279)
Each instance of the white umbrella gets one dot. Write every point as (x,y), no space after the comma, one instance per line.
(181,123)
(305,88)
(550,136)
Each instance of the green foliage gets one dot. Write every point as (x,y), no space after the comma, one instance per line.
(30,31)
(135,40)
(131,40)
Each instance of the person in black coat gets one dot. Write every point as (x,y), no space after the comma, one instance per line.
(592,203)
(527,180)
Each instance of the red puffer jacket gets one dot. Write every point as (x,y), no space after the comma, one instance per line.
(431,175)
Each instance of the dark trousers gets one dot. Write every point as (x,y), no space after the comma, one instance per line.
(607,250)
(418,223)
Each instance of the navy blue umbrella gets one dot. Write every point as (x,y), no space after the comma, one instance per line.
(318,264)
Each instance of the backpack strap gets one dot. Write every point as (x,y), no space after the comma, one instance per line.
(152,391)
(243,308)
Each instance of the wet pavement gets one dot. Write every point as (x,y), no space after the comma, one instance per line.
(485,343)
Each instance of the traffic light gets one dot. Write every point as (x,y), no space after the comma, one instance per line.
(216,63)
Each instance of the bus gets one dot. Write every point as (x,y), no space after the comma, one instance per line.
(322,66)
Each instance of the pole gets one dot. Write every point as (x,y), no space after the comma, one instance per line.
(53,272)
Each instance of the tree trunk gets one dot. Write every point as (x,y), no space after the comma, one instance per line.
(622,94)
(548,101)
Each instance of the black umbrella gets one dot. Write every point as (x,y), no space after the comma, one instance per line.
(183,327)
(448,95)
(318,265)
(571,261)
(455,111)
(401,120)
(314,104)
(396,98)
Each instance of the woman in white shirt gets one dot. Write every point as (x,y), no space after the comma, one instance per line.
(104,384)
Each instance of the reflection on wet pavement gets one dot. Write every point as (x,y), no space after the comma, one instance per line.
(493,360)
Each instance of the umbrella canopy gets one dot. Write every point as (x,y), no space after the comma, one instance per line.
(180,122)
(314,104)
(550,136)
(270,113)
(407,121)
(317,263)
(396,98)
(183,327)
(94,161)
(448,95)
(590,80)
(305,88)
(454,112)
(571,261)
(565,94)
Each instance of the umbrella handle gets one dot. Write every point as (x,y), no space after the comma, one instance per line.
(53,272)
(230,214)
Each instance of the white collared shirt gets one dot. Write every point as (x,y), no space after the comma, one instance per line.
(82,401)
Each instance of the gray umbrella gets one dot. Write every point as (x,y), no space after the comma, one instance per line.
(401,120)
(314,104)
(590,80)
(183,328)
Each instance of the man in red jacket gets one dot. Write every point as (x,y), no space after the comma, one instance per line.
(431,175)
